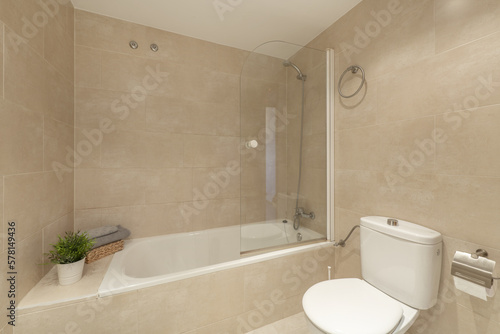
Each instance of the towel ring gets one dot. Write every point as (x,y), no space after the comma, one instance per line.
(354,69)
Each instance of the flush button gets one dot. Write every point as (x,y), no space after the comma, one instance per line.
(392,222)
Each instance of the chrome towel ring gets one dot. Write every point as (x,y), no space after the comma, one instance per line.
(354,69)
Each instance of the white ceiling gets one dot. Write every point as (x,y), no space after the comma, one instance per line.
(243,24)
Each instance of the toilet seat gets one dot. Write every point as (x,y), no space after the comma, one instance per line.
(351,306)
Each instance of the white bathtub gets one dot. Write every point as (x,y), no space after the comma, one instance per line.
(274,233)
(150,261)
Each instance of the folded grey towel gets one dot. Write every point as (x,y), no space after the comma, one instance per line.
(121,234)
(101,231)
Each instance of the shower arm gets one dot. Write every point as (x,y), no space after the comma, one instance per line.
(342,242)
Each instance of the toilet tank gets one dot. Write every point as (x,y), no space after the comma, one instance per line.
(403,260)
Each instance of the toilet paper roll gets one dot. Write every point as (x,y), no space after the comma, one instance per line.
(473,289)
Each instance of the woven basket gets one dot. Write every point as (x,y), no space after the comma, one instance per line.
(103,251)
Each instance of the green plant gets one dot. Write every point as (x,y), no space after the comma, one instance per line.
(72,248)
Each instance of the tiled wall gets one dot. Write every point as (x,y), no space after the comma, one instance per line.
(225,302)
(36,112)
(174,120)
(420,142)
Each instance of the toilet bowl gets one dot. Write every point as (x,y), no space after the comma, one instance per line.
(400,266)
(356,307)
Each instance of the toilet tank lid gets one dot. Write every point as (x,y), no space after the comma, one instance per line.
(403,230)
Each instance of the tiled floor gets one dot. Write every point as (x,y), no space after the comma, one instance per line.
(296,324)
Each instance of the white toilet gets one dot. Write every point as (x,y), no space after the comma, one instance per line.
(400,265)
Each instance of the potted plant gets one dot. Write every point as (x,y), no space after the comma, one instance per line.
(69,255)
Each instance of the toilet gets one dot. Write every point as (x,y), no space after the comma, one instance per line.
(400,266)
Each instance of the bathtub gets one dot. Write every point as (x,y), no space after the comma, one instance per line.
(151,261)
(274,233)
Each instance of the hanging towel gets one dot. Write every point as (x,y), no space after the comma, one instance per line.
(120,234)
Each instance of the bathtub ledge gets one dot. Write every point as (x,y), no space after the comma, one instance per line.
(48,293)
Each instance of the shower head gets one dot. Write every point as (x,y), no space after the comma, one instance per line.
(300,76)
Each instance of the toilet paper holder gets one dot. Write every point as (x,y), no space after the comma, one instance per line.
(472,268)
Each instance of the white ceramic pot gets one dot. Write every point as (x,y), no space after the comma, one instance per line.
(71,272)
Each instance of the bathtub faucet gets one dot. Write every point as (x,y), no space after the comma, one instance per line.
(300,212)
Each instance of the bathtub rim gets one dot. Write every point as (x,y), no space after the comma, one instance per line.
(103,291)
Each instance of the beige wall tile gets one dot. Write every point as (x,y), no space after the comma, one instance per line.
(314,151)
(87,67)
(411,140)
(225,326)
(70,18)
(4,237)
(164,150)
(50,235)
(141,220)
(470,143)
(87,219)
(88,146)
(313,185)
(176,306)
(60,97)
(12,13)
(202,118)
(253,181)
(110,314)
(164,219)
(37,114)
(228,119)
(206,85)
(58,140)
(93,105)
(37,199)
(230,60)
(106,33)
(166,114)
(367,42)
(1,59)
(171,185)
(450,81)
(210,151)
(59,47)
(220,213)
(262,67)
(289,277)
(5,286)
(453,318)
(347,259)
(358,148)
(7,330)
(218,182)
(358,111)
(194,51)
(28,263)
(184,116)
(25,74)
(412,198)
(460,23)
(124,149)
(468,208)
(95,188)
(139,76)
(31,82)
(23,152)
